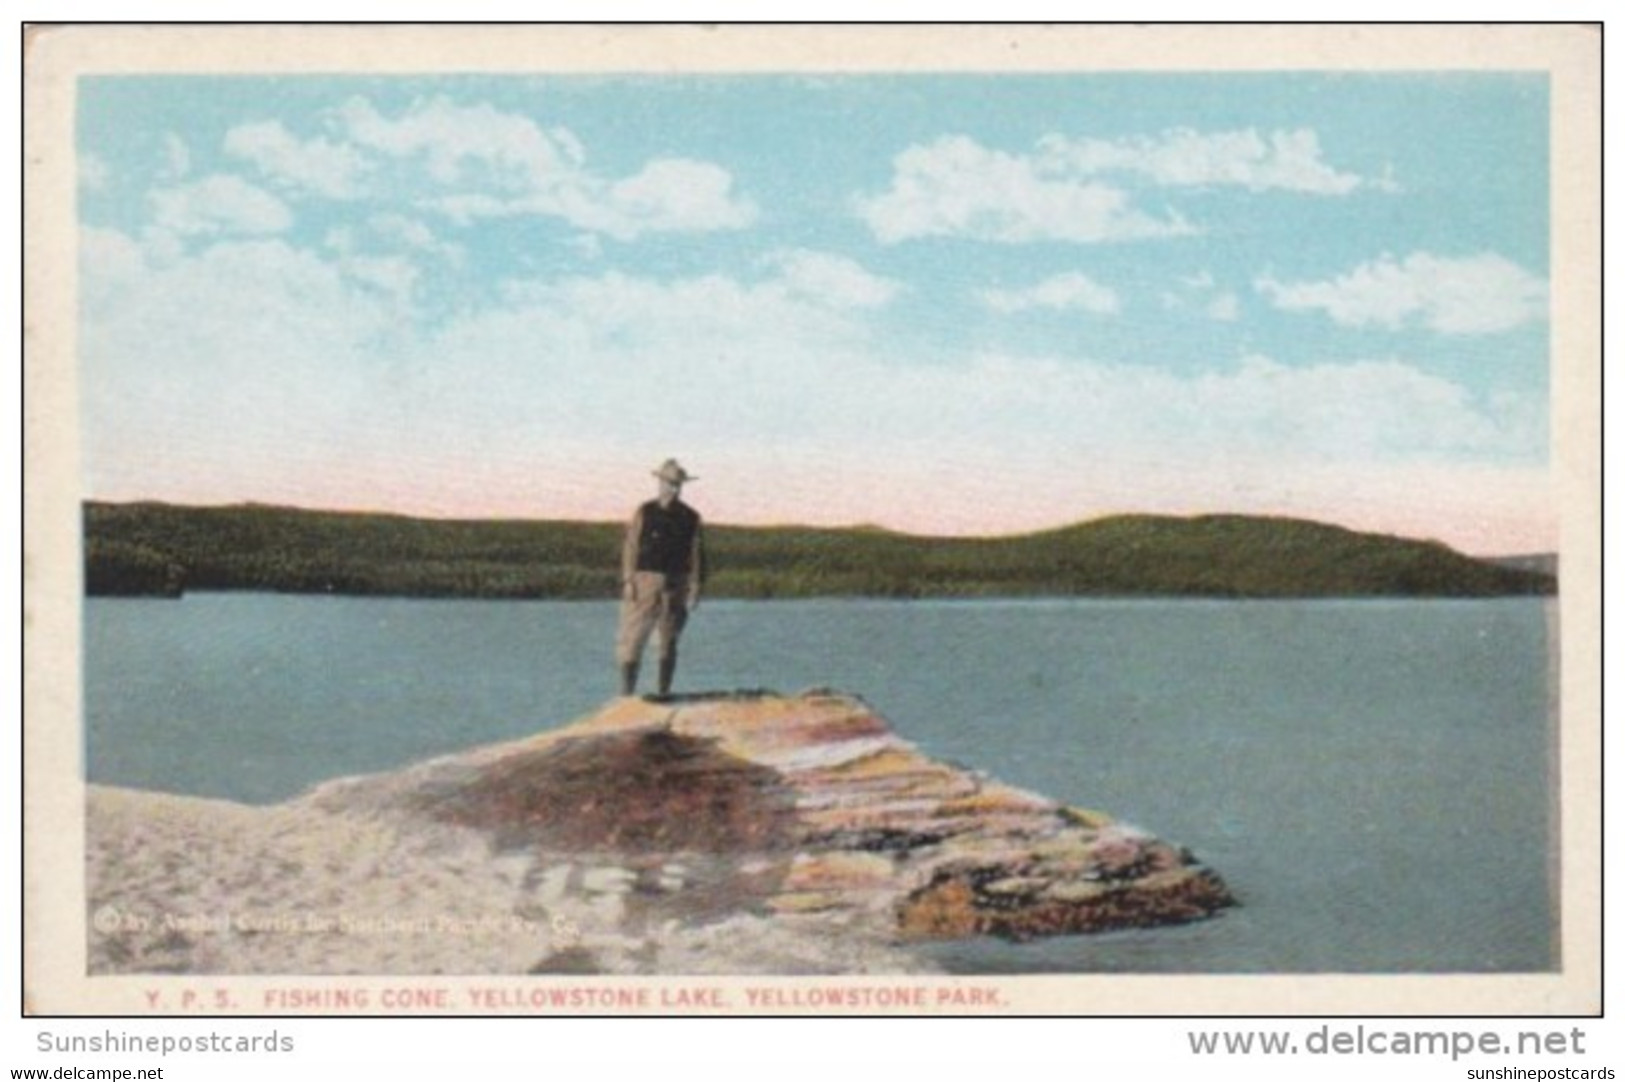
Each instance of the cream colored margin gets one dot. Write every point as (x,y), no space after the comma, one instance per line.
(54,948)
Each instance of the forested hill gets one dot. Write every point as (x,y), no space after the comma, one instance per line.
(161,549)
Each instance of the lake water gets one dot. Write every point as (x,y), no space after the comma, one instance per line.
(1372,778)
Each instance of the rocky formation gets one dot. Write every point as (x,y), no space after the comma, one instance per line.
(726,833)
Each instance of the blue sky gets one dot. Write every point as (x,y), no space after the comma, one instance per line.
(938,303)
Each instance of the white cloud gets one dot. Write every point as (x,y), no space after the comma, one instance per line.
(261,330)
(1482,294)
(1201,293)
(501,164)
(177,156)
(253,369)
(712,320)
(716,362)
(1278,160)
(806,301)
(240,368)
(832,279)
(108,261)
(1064,291)
(318,165)
(1349,411)
(398,236)
(463,209)
(1258,410)
(407,232)
(390,275)
(1225,308)
(667,195)
(260,303)
(341,239)
(93,172)
(219,204)
(956,187)
(588,245)
(468,144)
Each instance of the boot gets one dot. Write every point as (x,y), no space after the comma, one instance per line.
(629,677)
(668,669)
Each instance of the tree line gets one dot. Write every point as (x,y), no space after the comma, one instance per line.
(154,549)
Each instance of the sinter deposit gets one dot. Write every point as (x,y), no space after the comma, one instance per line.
(708,834)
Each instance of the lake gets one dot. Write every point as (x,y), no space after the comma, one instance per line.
(1372,777)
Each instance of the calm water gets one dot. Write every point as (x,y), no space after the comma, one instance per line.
(1370,777)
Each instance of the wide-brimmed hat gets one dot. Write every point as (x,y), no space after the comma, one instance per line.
(670,471)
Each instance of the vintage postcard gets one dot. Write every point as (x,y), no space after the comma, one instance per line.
(812,520)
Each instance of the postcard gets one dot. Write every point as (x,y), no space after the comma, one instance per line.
(1062,520)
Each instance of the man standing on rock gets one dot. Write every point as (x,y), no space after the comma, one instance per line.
(662,570)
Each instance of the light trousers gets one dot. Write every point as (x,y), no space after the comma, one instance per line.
(651,602)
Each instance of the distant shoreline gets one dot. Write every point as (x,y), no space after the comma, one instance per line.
(992,600)
(163,550)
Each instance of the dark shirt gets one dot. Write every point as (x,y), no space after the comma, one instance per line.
(667,539)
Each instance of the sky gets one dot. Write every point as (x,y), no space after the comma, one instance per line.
(968,304)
